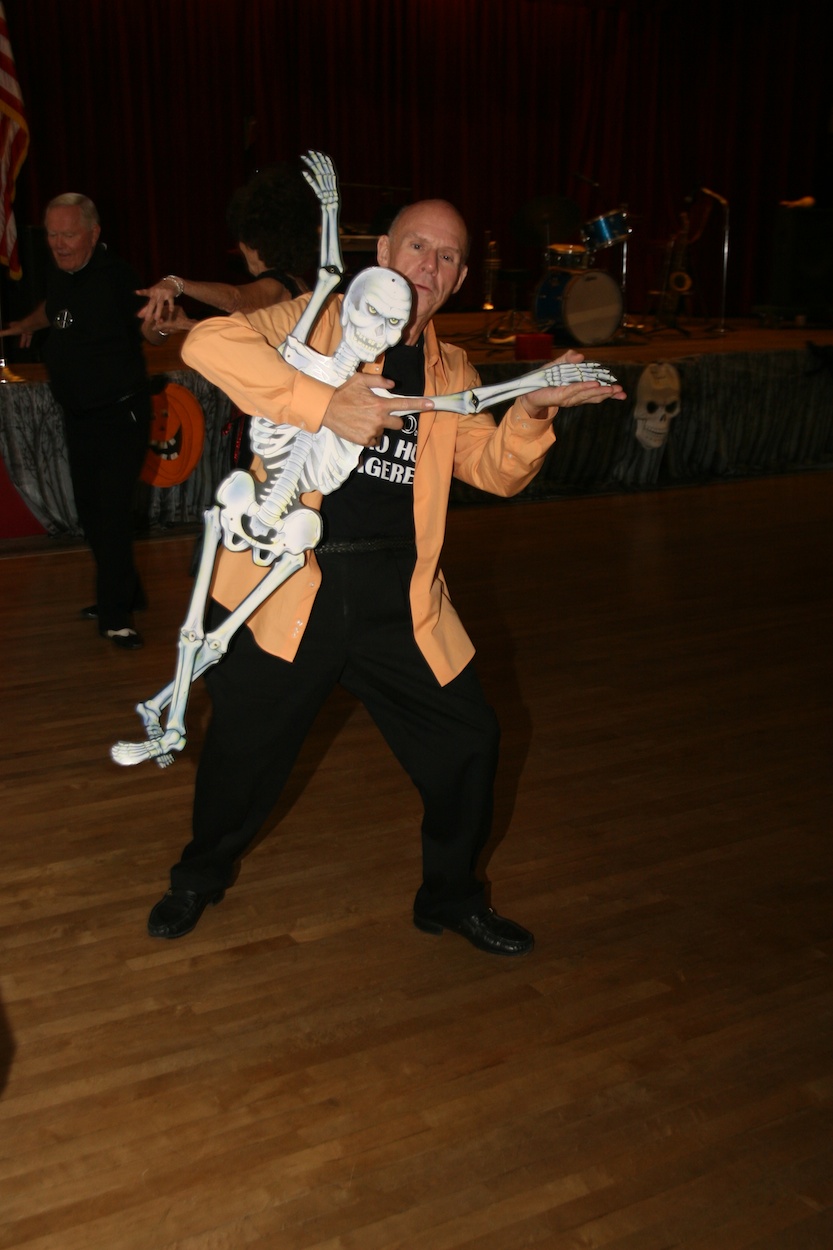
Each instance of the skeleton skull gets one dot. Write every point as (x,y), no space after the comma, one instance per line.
(657,403)
(377,304)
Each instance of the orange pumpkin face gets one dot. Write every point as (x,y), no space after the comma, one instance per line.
(177,434)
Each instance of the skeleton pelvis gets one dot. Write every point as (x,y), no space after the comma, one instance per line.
(299,530)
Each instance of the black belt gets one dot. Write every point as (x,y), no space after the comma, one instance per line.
(122,399)
(366,544)
(111,403)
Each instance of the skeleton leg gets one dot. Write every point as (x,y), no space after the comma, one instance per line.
(482,396)
(197,653)
(150,711)
(201,652)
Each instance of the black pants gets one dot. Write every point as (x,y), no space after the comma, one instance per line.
(106,449)
(360,636)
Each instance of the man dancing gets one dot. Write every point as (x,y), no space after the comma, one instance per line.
(370,609)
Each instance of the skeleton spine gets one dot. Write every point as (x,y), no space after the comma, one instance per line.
(283,477)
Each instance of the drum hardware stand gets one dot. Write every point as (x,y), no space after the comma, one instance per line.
(627,325)
(676,282)
(663,319)
(491,267)
(514,322)
(721,328)
(665,323)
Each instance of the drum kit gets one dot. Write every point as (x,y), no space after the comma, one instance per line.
(577,298)
(574,297)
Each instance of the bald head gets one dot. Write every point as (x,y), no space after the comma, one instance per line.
(427,243)
(439,210)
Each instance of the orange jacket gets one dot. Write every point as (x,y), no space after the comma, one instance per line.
(237,354)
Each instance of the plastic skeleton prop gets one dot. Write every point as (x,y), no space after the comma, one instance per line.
(267,517)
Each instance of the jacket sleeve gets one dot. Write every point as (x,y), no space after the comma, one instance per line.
(499,457)
(502,458)
(239,355)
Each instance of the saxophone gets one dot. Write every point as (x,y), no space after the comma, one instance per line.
(677,280)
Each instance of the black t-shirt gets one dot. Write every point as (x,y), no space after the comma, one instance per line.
(286,279)
(93,352)
(377,501)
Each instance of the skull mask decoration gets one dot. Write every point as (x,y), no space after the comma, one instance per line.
(657,403)
(377,305)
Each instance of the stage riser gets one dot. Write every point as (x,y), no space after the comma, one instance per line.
(741,415)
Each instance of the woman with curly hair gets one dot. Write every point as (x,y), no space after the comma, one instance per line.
(273,219)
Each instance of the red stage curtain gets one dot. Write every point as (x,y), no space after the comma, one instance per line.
(159,109)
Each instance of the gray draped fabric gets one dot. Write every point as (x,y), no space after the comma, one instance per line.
(33,447)
(741,414)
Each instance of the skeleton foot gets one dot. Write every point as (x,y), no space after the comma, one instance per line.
(159,749)
(160,743)
(137,752)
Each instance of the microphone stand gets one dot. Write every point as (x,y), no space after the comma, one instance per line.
(626,324)
(720,328)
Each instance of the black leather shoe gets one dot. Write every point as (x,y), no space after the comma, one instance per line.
(486,930)
(128,639)
(178,911)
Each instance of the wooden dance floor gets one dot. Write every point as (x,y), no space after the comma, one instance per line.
(307,1071)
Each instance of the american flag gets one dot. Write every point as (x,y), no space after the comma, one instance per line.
(14,144)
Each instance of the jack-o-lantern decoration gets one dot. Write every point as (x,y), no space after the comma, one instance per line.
(177,434)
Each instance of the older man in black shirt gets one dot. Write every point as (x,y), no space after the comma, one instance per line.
(94,358)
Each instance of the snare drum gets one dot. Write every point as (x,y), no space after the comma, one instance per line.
(606,230)
(566,256)
(589,306)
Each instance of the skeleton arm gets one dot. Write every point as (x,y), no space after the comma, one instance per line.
(321,176)
(479,397)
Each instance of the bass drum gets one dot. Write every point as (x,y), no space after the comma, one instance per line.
(589,306)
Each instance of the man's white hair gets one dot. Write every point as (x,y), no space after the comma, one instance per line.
(72,199)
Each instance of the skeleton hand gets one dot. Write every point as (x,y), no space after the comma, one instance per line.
(321,176)
(569,383)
